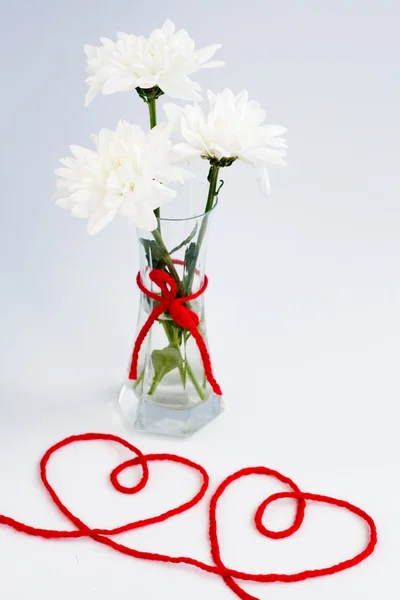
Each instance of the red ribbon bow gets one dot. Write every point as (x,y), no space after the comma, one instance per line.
(181,314)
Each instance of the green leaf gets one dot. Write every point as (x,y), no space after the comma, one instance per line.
(191,257)
(165,360)
(186,241)
(155,254)
(190,265)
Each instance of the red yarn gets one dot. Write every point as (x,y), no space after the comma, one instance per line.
(181,314)
(218,568)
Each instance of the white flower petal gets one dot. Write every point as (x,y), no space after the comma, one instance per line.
(173,173)
(146,82)
(241,101)
(123,37)
(91,95)
(255,114)
(107,43)
(90,51)
(276,142)
(231,129)
(204,54)
(168,28)
(160,195)
(173,112)
(118,84)
(165,58)
(221,152)
(274,130)
(128,207)
(186,150)
(145,218)
(263,179)
(81,196)
(65,203)
(211,98)
(212,64)
(99,219)
(124,175)
(178,87)
(113,201)
(85,154)
(191,136)
(68,162)
(264,154)
(62,184)
(81,211)
(69,174)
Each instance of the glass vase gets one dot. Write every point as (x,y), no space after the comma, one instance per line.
(171,388)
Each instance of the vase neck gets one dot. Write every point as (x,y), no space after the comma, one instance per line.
(179,248)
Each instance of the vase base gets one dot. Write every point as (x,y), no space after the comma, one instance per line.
(147,417)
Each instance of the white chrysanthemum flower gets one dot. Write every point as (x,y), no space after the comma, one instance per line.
(164,59)
(125,175)
(231,130)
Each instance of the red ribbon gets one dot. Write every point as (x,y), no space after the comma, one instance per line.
(231,577)
(181,314)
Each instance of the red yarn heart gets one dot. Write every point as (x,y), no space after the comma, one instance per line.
(219,568)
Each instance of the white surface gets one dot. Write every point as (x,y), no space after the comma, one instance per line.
(303,304)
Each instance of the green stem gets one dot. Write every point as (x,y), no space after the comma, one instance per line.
(152,112)
(151,103)
(168,261)
(139,379)
(213,179)
(153,386)
(196,384)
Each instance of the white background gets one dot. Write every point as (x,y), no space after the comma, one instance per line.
(303,305)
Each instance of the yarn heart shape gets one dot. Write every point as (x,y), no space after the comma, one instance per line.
(301,497)
(104,536)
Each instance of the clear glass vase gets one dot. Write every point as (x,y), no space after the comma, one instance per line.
(173,390)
